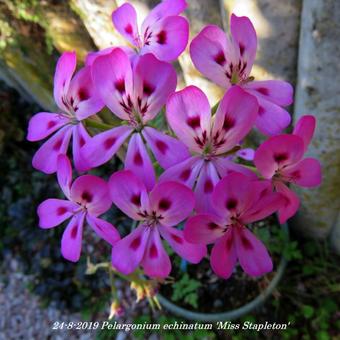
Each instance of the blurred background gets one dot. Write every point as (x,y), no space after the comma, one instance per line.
(298,41)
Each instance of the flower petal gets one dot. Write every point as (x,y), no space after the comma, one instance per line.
(167,150)
(223,255)
(247,154)
(156,262)
(203,228)
(92,56)
(154,81)
(64,174)
(65,68)
(124,19)
(291,202)
(128,198)
(173,201)
(275,91)
(224,167)
(43,124)
(80,138)
(277,152)
(104,229)
(107,142)
(54,211)
(305,128)
(251,252)
(188,251)
(45,159)
(188,113)
(138,161)
(92,192)
(128,253)
(72,238)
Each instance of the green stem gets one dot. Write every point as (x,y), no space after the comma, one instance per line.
(98,125)
(214,108)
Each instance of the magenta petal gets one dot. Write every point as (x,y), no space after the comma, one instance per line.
(185,172)
(203,228)
(128,253)
(167,150)
(54,211)
(43,124)
(104,229)
(124,18)
(92,56)
(156,261)
(291,202)
(169,37)
(80,138)
(64,174)
(188,114)
(305,128)
(65,68)
(206,182)
(107,142)
(173,201)
(223,255)
(244,39)
(45,159)
(224,167)
(271,119)
(93,193)
(188,251)
(275,91)
(251,252)
(235,117)
(128,198)
(306,173)
(276,152)
(72,238)
(138,161)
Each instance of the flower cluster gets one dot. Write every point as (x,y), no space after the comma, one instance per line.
(207,182)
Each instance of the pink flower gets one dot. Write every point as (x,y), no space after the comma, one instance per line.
(87,198)
(209,138)
(280,159)
(77,99)
(158,212)
(163,32)
(229,61)
(136,95)
(238,200)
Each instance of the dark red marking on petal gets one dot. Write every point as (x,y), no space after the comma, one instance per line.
(220,58)
(108,143)
(296,175)
(86,196)
(246,243)
(120,85)
(137,159)
(148,89)
(263,91)
(81,141)
(161,37)
(83,94)
(261,110)
(74,232)
(153,251)
(135,243)
(208,186)
(241,49)
(280,157)
(176,238)
(135,199)
(161,146)
(229,243)
(231,204)
(51,124)
(128,29)
(57,145)
(61,211)
(194,122)
(212,226)
(164,204)
(228,123)
(185,174)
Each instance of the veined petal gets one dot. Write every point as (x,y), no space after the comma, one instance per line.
(251,252)
(224,167)
(43,124)
(72,238)
(138,161)
(64,174)
(188,251)
(128,253)
(173,201)
(167,150)
(45,159)
(107,142)
(128,198)
(103,229)
(92,192)
(305,128)
(156,261)
(291,203)
(54,211)
(80,138)
(188,113)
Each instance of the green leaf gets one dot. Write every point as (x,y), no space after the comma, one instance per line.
(308,311)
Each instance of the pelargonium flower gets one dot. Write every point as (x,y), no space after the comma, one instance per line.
(87,198)
(209,138)
(77,99)
(238,200)
(158,212)
(228,61)
(136,95)
(280,159)
(163,32)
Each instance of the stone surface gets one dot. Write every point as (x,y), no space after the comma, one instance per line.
(318,93)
